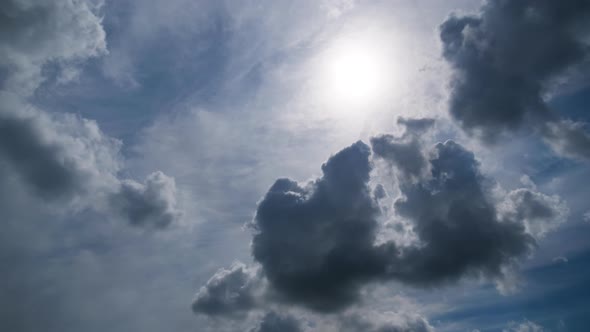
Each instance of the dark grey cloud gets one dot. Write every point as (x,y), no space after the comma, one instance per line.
(229,292)
(316,242)
(152,204)
(68,160)
(504,59)
(405,152)
(274,322)
(22,147)
(56,155)
(457,222)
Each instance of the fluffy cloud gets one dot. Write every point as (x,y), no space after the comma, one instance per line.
(66,159)
(56,155)
(457,223)
(229,291)
(503,62)
(63,157)
(152,204)
(34,33)
(405,152)
(316,242)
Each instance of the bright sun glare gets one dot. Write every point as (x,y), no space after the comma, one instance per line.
(355,73)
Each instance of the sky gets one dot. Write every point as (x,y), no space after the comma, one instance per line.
(309,165)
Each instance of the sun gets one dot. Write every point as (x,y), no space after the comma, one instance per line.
(355,73)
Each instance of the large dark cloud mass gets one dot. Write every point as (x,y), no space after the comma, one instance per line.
(503,61)
(316,242)
(457,222)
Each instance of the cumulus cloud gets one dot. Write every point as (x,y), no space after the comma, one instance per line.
(457,223)
(405,152)
(503,61)
(56,155)
(274,322)
(316,242)
(152,204)
(34,33)
(229,292)
(64,158)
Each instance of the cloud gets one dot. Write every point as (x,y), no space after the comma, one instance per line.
(405,152)
(274,322)
(63,158)
(33,34)
(69,161)
(539,213)
(229,292)
(152,204)
(316,242)
(504,60)
(56,155)
(455,219)
(568,138)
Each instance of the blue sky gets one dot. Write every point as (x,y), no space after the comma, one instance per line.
(145,148)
